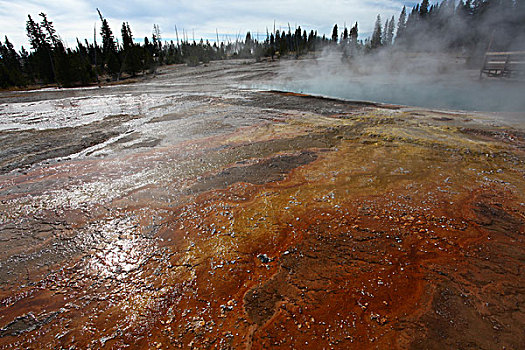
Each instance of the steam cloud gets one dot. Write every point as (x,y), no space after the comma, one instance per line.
(435,63)
(436,80)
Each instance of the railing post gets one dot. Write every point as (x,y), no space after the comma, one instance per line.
(505,67)
(483,66)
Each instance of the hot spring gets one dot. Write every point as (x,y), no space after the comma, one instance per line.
(435,82)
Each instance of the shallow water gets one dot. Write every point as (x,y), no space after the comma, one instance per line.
(482,96)
(443,83)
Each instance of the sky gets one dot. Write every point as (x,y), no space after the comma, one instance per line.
(197,18)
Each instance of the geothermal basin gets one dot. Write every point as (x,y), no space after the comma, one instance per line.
(193,211)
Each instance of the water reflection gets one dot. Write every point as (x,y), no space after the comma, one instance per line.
(123,249)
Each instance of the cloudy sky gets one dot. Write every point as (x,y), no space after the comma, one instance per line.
(76,18)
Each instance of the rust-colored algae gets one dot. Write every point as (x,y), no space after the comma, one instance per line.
(369,231)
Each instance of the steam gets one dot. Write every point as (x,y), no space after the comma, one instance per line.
(435,60)
(431,80)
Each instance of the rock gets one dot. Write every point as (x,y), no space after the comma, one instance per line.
(264,258)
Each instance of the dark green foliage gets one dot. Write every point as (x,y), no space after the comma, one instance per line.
(10,66)
(108,42)
(389,31)
(468,27)
(51,37)
(402,23)
(376,40)
(127,37)
(41,43)
(384,33)
(335,34)
(35,34)
(423,8)
(131,54)
(353,34)
(246,51)
(109,49)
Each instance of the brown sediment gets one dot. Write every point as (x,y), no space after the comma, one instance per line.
(286,93)
(270,170)
(333,101)
(514,137)
(361,227)
(308,103)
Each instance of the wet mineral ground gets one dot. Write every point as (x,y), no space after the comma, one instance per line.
(192,210)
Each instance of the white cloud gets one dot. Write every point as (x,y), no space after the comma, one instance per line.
(76,18)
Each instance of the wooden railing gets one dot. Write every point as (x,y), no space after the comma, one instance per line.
(504,64)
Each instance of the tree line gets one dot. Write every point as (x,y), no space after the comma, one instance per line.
(469,27)
(50,62)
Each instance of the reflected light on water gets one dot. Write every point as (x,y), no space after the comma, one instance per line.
(123,249)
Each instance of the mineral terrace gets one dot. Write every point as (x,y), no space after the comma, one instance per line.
(193,210)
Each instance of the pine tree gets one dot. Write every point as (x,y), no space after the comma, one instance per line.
(248,46)
(5,81)
(157,41)
(278,41)
(60,63)
(384,39)
(35,34)
(131,62)
(390,31)
(375,42)
(401,23)
(353,34)
(10,67)
(109,48)
(43,57)
(311,40)
(335,34)
(26,67)
(297,39)
(272,46)
(108,41)
(423,8)
(127,38)
(50,36)
(305,39)
(10,52)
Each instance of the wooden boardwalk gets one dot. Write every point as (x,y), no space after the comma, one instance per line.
(504,64)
